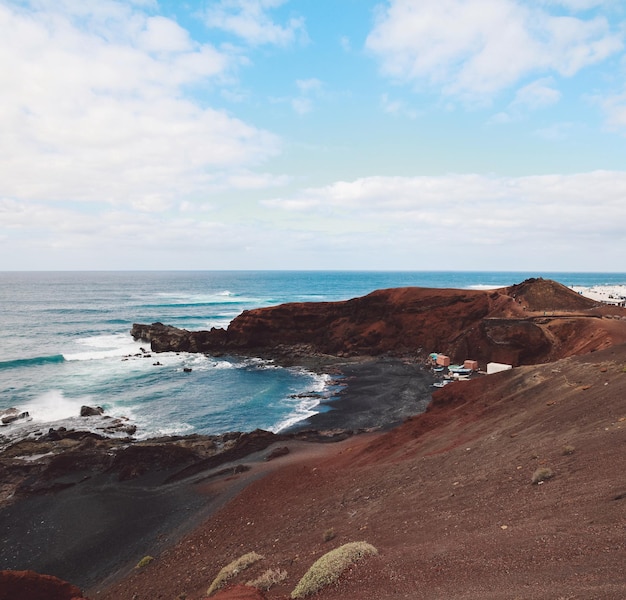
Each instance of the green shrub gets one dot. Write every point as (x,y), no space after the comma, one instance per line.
(266,580)
(146,560)
(232,569)
(542,474)
(328,568)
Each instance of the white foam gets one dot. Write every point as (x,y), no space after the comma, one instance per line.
(223,364)
(303,410)
(306,407)
(154,420)
(259,363)
(105,346)
(222,296)
(54,406)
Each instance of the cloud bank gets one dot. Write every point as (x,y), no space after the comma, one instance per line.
(117,152)
(94,108)
(474,49)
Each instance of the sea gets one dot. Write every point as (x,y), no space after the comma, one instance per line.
(65,342)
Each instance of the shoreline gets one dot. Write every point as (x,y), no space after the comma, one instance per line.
(372,392)
(88,525)
(376,393)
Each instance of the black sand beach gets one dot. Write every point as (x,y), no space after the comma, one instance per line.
(100,526)
(378,393)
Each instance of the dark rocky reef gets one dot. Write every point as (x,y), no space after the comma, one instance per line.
(80,506)
(535,321)
(63,458)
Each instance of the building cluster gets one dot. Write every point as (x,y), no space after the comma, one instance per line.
(441,365)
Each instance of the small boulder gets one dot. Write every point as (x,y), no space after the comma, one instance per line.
(10,415)
(52,435)
(91,411)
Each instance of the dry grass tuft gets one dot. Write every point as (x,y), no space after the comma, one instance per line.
(329,534)
(232,569)
(542,474)
(146,560)
(328,568)
(266,580)
(568,449)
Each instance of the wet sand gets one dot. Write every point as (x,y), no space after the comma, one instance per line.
(376,393)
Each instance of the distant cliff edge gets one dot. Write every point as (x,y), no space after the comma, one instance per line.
(532,322)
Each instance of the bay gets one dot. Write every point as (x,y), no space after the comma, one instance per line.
(65,342)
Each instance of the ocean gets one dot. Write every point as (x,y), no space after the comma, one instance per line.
(65,343)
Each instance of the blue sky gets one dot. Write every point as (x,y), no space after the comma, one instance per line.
(309,134)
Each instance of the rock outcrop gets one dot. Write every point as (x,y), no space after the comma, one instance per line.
(28,585)
(533,322)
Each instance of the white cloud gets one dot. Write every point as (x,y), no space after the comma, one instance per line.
(164,35)
(578,5)
(614,107)
(307,86)
(523,213)
(538,94)
(250,20)
(302,106)
(555,132)
(552,222)
(474,49)
(397,107)
(93,108)
(344,42)
(535,96)
(309,89)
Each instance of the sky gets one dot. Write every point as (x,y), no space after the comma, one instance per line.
(313,134)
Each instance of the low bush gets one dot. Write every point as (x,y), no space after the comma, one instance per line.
(329,534)
(542,474)
(232,569)
(146,560)
(328,568)
(266,580)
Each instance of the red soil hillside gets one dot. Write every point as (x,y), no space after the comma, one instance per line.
(533,322)
(447,499)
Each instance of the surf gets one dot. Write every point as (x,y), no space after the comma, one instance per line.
(36,361)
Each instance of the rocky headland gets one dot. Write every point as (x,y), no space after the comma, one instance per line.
(533,322)
(451,498)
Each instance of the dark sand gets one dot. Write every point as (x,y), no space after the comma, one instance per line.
(98,529)
(377,393)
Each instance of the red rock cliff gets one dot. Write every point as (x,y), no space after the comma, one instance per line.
(532,322)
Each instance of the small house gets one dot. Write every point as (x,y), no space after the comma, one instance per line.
(443,360)
(494,367)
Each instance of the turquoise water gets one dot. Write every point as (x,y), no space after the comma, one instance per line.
(65,342)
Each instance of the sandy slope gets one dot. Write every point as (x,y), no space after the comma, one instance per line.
(446,498)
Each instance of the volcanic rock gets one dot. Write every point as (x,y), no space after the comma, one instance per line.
(28,585)
(91,411)
(10,415)
(533,322)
